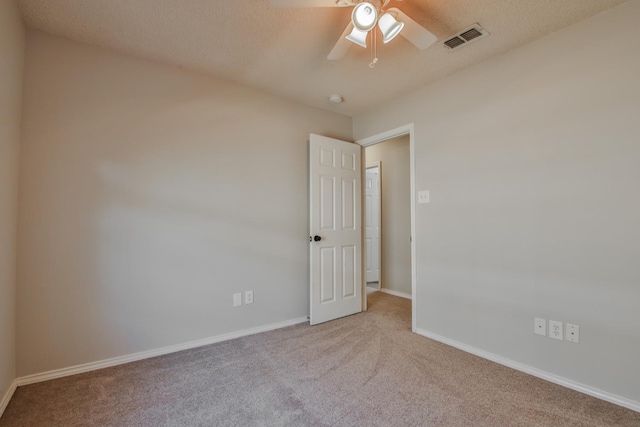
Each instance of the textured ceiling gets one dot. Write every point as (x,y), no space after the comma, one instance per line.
(283,51)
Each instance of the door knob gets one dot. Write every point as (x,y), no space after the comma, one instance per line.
(315,238)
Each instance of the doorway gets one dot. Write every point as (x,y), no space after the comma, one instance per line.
(388,217)
(372,216)
(405,275)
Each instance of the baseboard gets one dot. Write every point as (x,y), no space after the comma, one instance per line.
(7,396)
(396,293)
(591,391)
(93,366)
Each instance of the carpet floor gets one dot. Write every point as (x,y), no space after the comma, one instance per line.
(362,370)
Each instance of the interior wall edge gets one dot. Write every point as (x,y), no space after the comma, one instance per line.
(12,54)
(7,396)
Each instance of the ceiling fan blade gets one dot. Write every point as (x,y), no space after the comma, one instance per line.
(412,31)
(308,3)
(342,46)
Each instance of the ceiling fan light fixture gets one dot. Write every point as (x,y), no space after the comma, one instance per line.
(358,37)
(364,16)
(389,27)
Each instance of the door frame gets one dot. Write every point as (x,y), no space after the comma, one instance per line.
(407,129)
(364,258)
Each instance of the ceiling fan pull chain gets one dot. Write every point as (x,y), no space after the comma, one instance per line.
(374,50)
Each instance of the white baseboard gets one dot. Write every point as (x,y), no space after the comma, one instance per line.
(7,396)
(93,366)
(591,391)
(396,293)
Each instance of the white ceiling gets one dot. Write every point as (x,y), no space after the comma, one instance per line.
(283,51)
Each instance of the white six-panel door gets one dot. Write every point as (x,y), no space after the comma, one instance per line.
(372,223)
(335,228)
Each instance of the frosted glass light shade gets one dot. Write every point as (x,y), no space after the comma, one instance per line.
(389,27)
(364,16)
(358,37)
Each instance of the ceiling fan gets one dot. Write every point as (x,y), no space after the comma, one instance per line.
(365,16)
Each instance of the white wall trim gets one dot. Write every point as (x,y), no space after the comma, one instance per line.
(93,366)
(396,293)
(383,136)
(582,388)
(7,396)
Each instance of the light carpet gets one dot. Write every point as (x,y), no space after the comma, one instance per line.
(363,370)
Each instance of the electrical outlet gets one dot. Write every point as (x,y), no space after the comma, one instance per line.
(540,326)
(237,299)
(555,330)
(248,297)
(423,196)
(573,333)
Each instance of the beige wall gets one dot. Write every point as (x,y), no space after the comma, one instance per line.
(396,211)
(11,67)
(533,163)
(149,195)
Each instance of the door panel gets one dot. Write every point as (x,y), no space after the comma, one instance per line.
(348,204)
(335,216)
(349,272)
(326,200)
(327,275)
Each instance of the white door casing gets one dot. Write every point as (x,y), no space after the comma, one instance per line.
(372,223)
(335,217)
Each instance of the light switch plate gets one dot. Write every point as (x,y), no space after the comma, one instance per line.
(423,196)
(237,299)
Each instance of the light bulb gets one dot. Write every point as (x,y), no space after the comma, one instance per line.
(364,16)
(389,27)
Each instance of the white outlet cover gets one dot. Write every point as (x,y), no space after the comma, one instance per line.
(540,326)
(573,333)
(555,329)
(248,297)
(423,196)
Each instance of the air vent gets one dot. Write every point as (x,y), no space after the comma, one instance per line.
(454,42)
(473,33)
(466,36)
